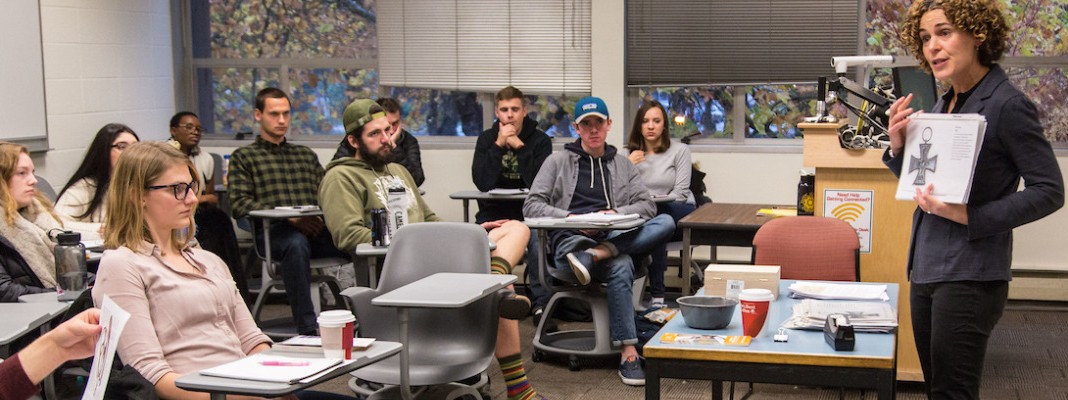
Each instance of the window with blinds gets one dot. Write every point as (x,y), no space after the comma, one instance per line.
(541,47)
(737,42)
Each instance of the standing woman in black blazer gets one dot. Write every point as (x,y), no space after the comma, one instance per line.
(960,255)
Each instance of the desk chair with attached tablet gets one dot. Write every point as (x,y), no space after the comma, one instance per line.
(445,345)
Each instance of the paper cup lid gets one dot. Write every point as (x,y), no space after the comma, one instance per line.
(756,295)
(336,317)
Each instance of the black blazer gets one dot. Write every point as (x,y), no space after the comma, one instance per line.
(1014,147)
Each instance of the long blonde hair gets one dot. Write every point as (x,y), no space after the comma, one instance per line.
(9,162)
(138,166)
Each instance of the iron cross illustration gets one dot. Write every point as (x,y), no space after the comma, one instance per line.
(924,162)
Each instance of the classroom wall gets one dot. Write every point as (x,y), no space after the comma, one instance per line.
(104,61)
(111,61)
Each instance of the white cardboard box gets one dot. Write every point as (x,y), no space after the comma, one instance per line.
(718,277)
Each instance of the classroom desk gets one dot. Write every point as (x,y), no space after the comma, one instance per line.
(719,224)
(372,253)
(468,195)
(805,359)
(21,318)
(219,388)
(441,290)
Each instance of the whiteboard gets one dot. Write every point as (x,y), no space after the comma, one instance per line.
(22,75)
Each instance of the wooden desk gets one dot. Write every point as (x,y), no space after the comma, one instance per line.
(720,224)
(805,359)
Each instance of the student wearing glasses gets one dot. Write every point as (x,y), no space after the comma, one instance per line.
(215,231)
(185,311)
(82,198)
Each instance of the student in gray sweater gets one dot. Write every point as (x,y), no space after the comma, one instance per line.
(665,168)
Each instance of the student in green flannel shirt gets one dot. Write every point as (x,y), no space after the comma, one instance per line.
(272,172)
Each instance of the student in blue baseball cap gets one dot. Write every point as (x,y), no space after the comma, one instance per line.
(590,176)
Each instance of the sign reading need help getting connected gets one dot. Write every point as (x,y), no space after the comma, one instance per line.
(854,207)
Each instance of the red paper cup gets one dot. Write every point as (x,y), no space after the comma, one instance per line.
(754,304)
(336,331)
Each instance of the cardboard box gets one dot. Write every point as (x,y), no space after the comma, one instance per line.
(719,276)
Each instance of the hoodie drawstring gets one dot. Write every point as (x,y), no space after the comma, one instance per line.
(604,181)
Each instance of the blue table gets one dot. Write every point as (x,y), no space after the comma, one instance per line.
(805,359)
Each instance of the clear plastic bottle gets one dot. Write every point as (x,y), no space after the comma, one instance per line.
(71,276)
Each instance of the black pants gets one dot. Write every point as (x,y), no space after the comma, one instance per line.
(951,323)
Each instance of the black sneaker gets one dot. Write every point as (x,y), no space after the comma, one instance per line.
(581,262)
(631,372)
(515,306)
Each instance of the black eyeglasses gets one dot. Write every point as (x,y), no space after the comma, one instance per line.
(181,190)
(192,127)
(121,145)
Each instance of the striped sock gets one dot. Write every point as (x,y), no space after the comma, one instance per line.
(500,266)
(515,378)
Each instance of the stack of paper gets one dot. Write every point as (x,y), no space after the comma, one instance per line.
(275,367)
(504,192)
(866,316)
(314,344)
(602,218)
(941,150)
(838,291)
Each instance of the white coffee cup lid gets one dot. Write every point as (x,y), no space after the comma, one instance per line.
(756,295)
(336,317)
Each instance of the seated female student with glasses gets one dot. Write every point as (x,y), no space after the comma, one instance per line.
(82,198)
(185,312)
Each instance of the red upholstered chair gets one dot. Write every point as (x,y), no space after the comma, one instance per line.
(815,248)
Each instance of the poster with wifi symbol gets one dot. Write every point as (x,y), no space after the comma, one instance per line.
(854,207)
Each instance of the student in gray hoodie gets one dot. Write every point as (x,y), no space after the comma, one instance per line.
(588,177)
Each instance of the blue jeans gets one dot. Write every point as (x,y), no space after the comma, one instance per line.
(617,272)
(539,296)
(294,251)
(677,210)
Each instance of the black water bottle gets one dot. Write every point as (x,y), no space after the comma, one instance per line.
(806,195)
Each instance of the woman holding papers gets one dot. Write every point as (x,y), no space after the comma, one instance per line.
(960,255)
(185,311)
(665,168)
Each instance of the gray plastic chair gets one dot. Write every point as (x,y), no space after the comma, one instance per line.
(45,188)
(445,345)
(580,341)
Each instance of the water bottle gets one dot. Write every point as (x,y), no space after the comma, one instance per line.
(71,276)
(806,199)
(225,168)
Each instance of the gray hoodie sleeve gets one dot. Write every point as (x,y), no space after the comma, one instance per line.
(540,201)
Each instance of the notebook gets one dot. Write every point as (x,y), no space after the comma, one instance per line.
(273,367)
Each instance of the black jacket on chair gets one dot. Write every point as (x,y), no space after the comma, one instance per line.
(16,277)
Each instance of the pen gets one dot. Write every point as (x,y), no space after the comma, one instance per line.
(284,363)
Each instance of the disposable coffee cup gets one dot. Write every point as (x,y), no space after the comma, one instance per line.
(336,331)
(754,304)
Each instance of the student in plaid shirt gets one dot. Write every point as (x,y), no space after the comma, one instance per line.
(272,172)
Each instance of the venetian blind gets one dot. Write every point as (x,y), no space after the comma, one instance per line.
(541,47)
(677,42)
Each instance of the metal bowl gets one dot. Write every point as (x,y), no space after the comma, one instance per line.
(707,312)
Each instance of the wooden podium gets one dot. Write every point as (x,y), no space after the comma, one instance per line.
(891,221)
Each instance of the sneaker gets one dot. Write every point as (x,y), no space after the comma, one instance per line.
(581,262)
(537,311)
(656,305)
(631,372)
(514,306)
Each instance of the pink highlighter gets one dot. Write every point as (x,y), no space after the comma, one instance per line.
(284,363)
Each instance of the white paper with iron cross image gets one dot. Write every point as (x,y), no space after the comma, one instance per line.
(941,150)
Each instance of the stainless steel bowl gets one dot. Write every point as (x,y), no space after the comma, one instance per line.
(707,312)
